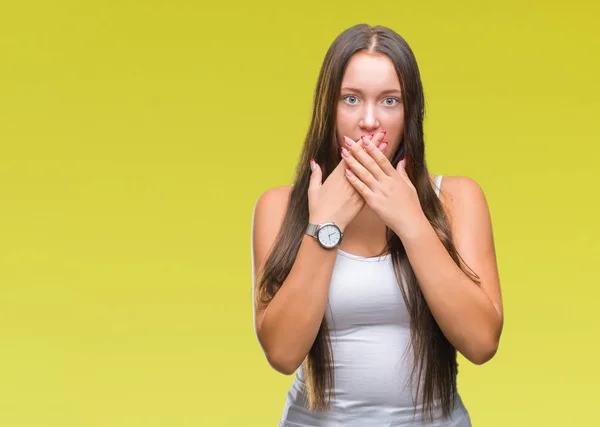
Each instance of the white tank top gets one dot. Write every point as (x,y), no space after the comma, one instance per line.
(369,332)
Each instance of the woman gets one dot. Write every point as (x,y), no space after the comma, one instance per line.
(370,274)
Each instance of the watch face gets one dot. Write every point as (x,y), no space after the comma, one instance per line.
(329,236)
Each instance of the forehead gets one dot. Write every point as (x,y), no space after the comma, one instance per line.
(371,71)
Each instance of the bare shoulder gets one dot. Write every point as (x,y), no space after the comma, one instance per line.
(462,194)
(272,203)
(268,215)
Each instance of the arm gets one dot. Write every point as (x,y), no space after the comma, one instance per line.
(470,316)
(287,327)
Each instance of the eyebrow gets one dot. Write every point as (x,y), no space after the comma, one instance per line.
(352,89)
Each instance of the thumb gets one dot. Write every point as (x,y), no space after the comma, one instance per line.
(402,166)
(316,175)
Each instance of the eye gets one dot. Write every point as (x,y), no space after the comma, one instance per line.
(347,97)
(396,100)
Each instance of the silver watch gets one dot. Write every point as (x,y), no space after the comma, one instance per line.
(328,235)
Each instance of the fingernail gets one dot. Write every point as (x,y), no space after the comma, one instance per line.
(312,164)
(383,145)
(366,141)
(345,152)
(348,172)
(372,135)
(384,132)
(348,142)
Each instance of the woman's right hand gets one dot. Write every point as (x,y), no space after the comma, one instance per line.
(335,200)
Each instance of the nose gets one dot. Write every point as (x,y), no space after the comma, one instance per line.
(369,121)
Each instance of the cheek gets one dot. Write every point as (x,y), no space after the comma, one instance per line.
(344,125)
(342,117)
(395,126)
(394,122)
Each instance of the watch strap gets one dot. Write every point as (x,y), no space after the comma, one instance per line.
(311,229)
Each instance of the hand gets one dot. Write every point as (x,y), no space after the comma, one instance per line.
(336,200)
(387,190)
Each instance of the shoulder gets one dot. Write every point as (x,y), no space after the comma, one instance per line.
(267,218)
(460,188)
(270,208)
(464,201)
(276,197)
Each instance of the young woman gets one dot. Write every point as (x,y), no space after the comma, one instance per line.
(370,273)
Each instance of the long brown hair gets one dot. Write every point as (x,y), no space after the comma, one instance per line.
(435,364)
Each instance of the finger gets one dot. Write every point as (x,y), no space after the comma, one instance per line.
(349,141)
(357,168)
(366,160)
(401,167)
(376,157)
(359,142)
(316,176)
(378,138)
(374,138)
(402,171)
(360,186)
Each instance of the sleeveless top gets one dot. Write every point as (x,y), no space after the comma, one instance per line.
(370,333)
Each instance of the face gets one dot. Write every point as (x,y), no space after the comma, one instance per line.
(371,100)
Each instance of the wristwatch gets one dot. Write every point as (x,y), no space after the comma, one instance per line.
(328,234)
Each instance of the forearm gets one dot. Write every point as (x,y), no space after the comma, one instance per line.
(292,319)
(463,311)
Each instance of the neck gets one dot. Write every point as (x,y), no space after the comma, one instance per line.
(366,231)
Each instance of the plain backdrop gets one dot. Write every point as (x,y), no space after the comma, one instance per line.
(136,136)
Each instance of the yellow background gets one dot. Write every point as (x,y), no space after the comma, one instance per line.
(136,136)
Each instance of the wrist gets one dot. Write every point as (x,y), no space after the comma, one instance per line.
(321,220)
(412,230)
(328,234)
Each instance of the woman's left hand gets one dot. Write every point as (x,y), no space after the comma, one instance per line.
(387,190)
